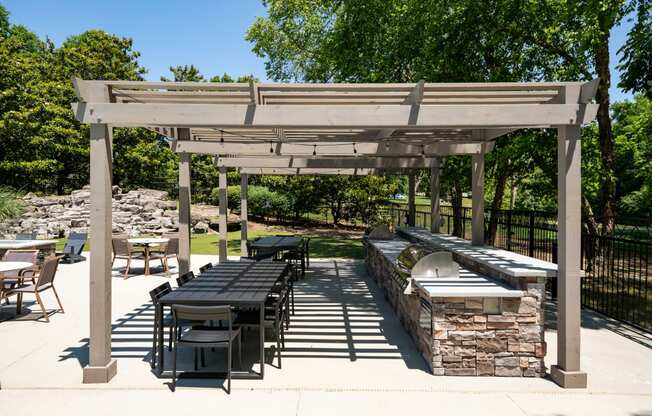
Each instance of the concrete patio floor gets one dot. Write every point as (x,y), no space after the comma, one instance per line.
(345,353)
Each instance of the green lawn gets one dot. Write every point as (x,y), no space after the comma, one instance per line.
(320,245)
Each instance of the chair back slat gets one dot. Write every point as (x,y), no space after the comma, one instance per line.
(120,245)
(48,271)
(29,256)
(159,291)
(205,267)
(185,278)
(75,243)
(202,313)
(172,246)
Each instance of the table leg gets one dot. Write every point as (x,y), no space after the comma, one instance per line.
(19,303)
(161,339)
(261,329)
(146,252)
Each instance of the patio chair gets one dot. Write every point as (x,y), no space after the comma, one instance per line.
(185,278)
(73,248)
(205,267)
(123,250)
(201,337)
(26,236)
(169,250)
(298,257)
(156,294)
(44,282)
(11,279)
(275,315)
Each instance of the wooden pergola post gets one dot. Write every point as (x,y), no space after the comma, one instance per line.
(223,216)
(477,202)
(412,209)
(244,185)
(184,206)
(567,372)
(435,185)
(101,367)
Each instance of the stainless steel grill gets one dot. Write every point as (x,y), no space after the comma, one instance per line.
(422,261)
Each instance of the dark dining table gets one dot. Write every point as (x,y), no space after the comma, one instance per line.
(277,243)
(235,283)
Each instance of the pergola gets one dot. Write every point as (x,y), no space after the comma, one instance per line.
(351,129)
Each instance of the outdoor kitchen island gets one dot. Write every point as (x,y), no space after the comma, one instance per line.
(485,319)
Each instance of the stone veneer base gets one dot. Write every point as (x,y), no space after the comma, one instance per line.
(469,336)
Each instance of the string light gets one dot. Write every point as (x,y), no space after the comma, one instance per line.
(271,147)
(221,136)
(355,151)
(314,150)
(423,151)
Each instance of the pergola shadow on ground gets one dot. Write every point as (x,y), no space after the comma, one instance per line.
(339,314)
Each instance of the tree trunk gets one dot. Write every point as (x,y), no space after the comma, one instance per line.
(608,193)
(501,182)
(512,196)
(591,244)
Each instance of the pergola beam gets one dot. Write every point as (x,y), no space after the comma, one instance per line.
(312,171)
(306,150)
(340,116)
(333,163)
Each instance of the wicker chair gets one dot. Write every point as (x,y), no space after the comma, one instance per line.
(12,278)
(123,250)
(44,282)
(169,250)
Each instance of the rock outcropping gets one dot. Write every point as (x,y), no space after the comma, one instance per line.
(137,212)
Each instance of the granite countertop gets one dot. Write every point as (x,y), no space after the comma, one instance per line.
(469,284)
(503,261)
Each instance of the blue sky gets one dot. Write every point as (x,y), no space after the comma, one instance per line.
(208,34)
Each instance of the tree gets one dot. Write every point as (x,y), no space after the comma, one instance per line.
(184,74)
(636,54)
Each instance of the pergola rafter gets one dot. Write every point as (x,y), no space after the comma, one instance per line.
(335,129)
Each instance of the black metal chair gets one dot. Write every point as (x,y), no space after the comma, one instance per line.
(185,278)
(205,267)
(200,337)
(73,248)
(26,236)
(298,257)
(156,294)
(276,309)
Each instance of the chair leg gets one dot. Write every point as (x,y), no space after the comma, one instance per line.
(171,335)
(203,357)
(127,268)
(228,369)
(278,341)
(194,354)
(240,350)
(56,295)
(174,367)
(40,302)
(154,338)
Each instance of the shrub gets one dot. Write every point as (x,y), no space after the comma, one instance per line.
(11,206)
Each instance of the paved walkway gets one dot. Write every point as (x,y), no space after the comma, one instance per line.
(345,353)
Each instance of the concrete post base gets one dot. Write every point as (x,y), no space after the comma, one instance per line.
(568,379)
(100,374)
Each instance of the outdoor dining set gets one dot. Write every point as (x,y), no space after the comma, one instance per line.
(210,310)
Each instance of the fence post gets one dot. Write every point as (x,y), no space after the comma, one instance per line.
(509,230)
(531,235)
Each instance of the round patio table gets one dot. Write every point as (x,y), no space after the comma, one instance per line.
(13,266)
(147,243)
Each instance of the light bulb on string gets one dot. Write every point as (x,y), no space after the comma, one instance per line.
(355,151)
(221,136)
(271,147)
(423,151)
(314,150)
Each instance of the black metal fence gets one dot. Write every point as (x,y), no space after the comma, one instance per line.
(618,276)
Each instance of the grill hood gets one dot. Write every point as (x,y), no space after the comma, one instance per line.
(421,261)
